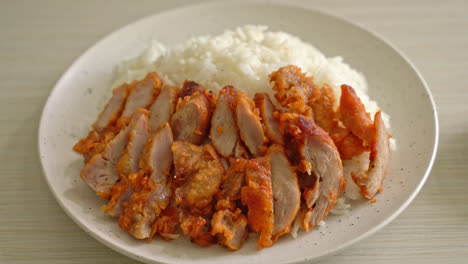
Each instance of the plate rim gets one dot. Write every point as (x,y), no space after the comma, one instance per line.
(371,231)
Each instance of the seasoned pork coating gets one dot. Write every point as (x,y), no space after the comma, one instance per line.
(152,189)
(267,109)
(163,108)
(230,228)
(249,124)
(223,131)
(286,192)
(371,181)
(198,175)
(192,117)
(257,195)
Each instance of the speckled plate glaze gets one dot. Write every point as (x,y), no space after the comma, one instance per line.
(394,83)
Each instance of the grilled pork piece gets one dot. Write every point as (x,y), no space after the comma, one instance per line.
(163,108)
(152,190)
(248,122)
(192,117)
(223,131)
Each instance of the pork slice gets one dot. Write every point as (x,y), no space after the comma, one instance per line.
(100,172)
(152,189)
(128,164)
(162,109)
(318,156)
(249,124)
(112,110)
(286,192)
(223,131)
(371,181)
(266,107)
(142,94)
(191,120)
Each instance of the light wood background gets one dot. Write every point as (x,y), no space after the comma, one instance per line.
(40,39)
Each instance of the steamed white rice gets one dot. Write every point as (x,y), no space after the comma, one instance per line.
(243,58)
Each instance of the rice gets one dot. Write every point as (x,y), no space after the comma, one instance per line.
(243,58)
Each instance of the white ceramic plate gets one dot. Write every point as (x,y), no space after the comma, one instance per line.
(394,83)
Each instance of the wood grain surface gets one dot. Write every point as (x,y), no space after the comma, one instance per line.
(40,39)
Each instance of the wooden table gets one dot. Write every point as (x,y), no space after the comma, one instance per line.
(40,39)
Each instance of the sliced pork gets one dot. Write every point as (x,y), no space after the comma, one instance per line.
(286,192)
(191,120)
(162,109)
(223,131)
(249,124)
(267,109)
(128,164)
(320,157)
(100,173)
(113,109)
(152,189)
(371,181)
(142,94)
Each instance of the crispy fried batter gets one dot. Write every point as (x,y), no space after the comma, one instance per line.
(166,224)
(196,227)
(198,174)
(230,228)
(294,89)
(231,187)
(258,197)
